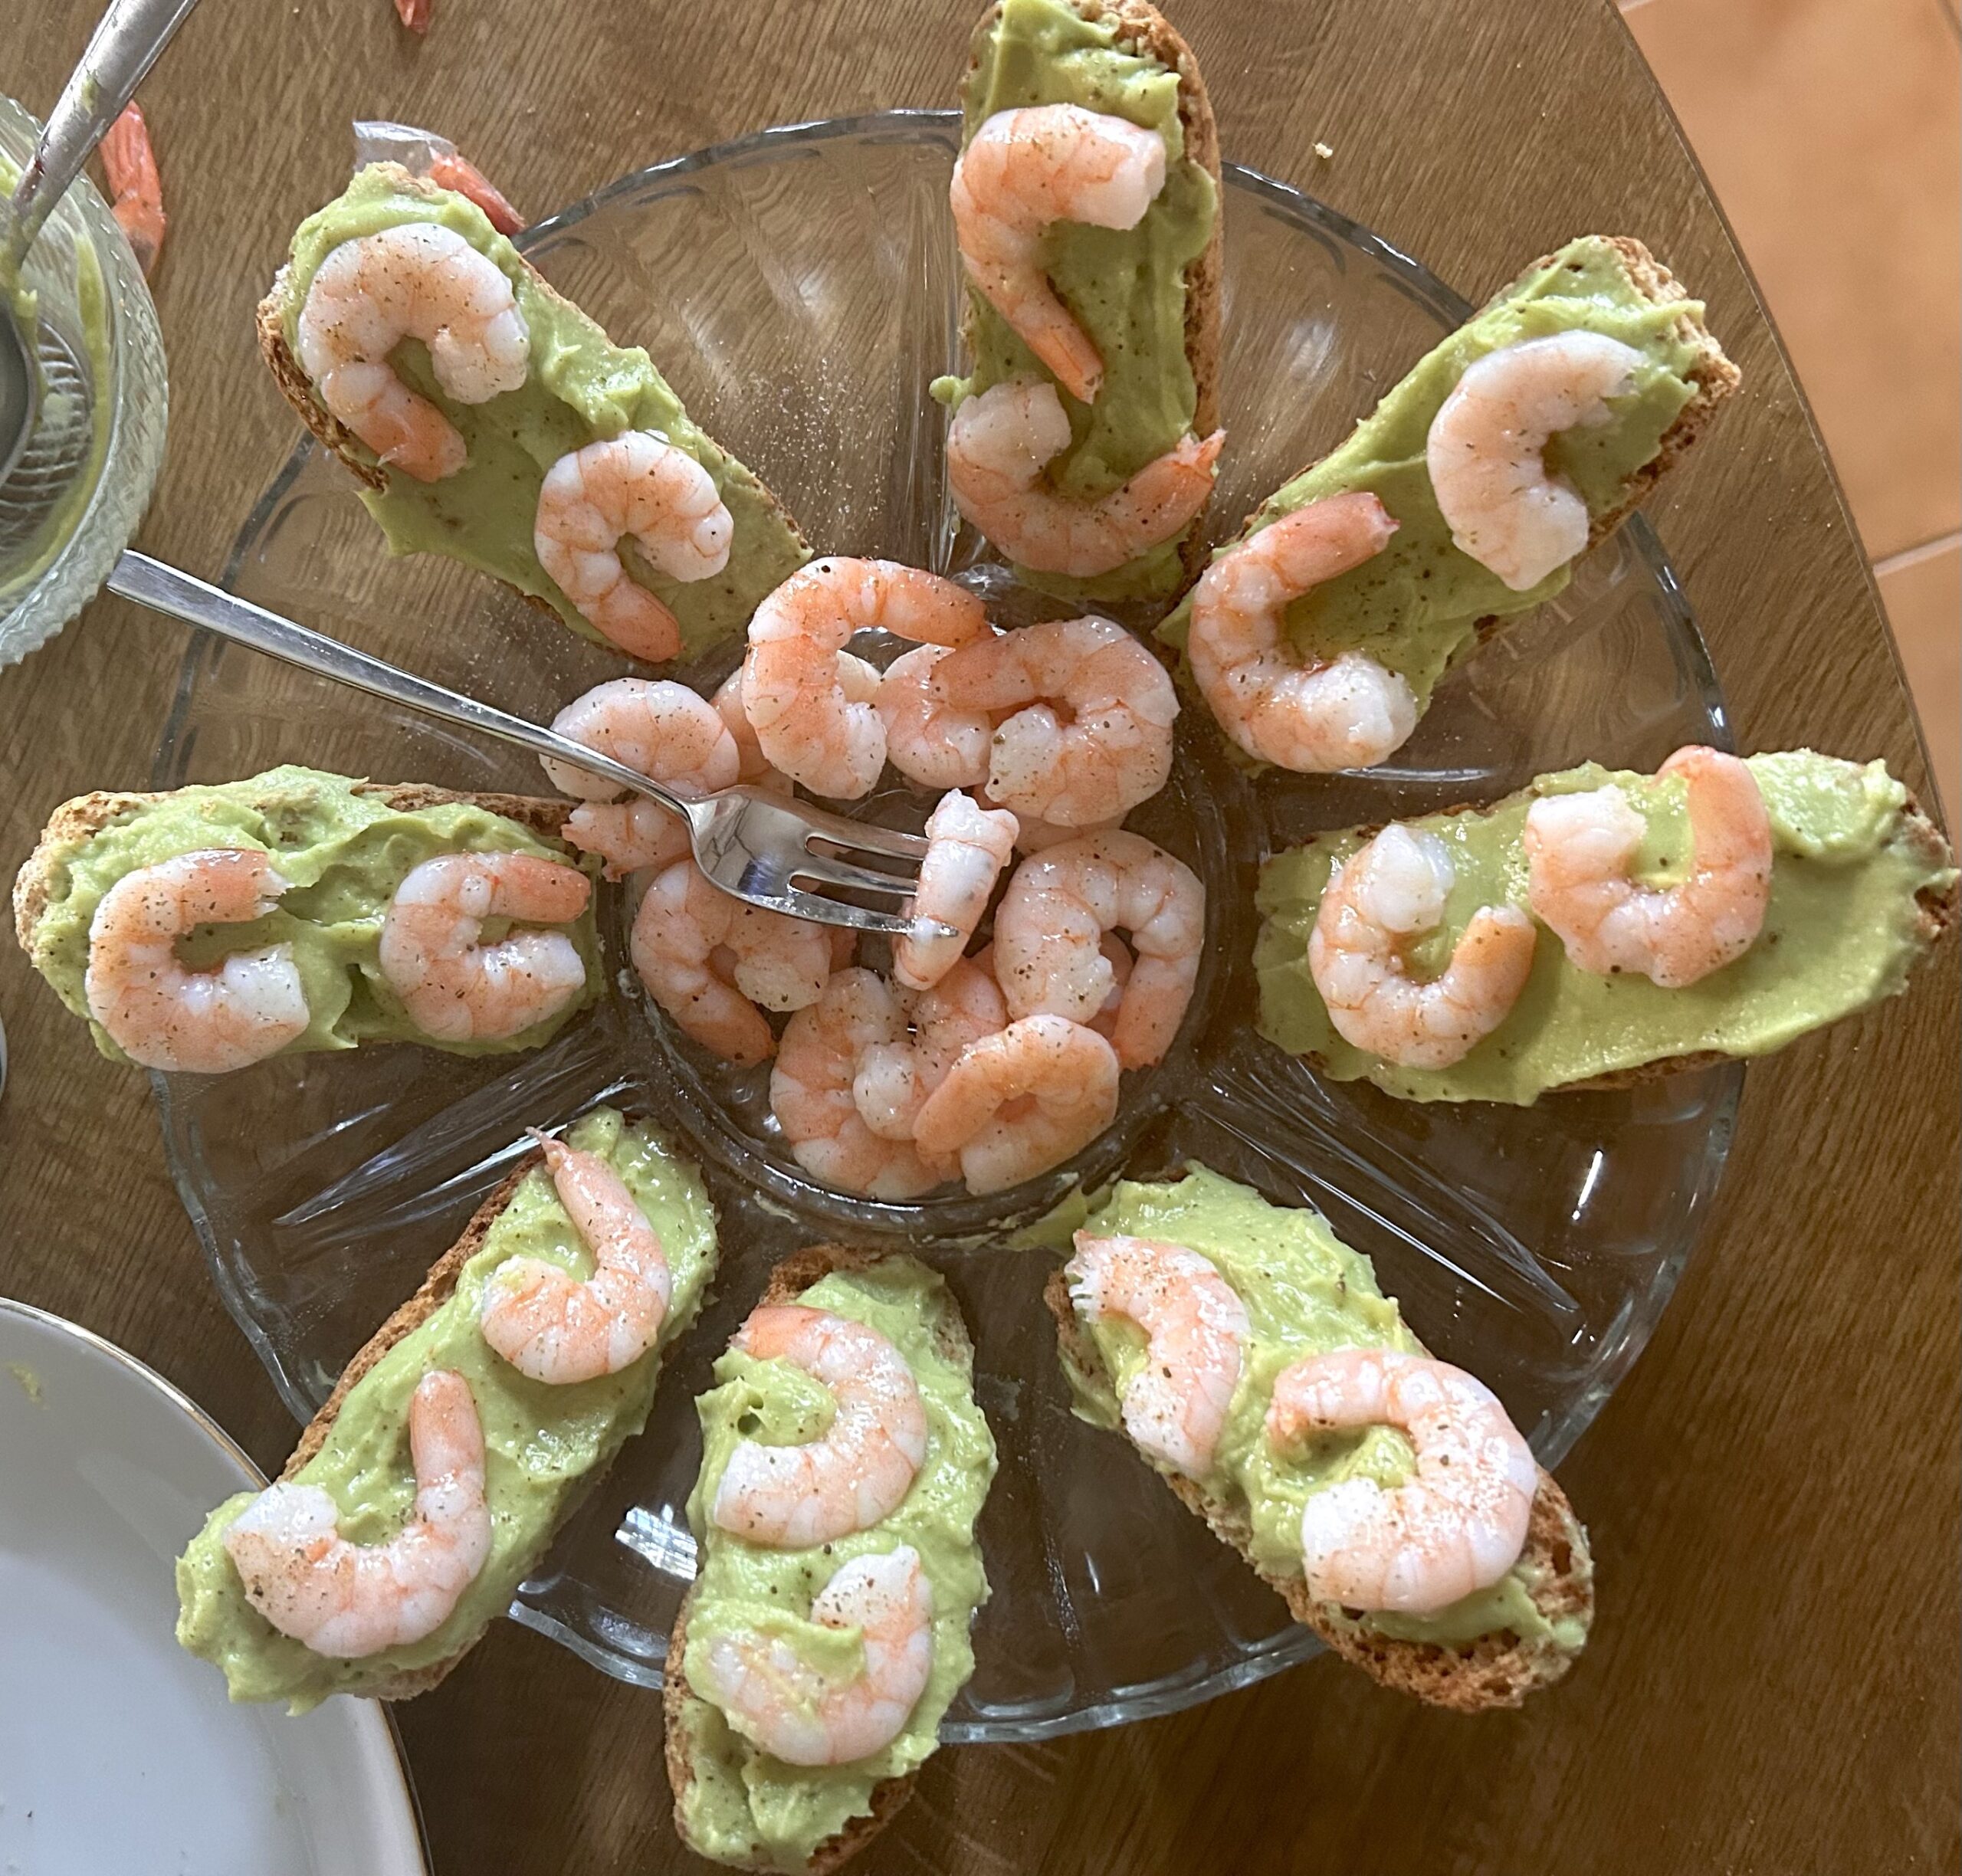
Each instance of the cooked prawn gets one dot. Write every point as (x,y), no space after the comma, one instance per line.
(1059,907)
(550,1326)
(1000,443)
(967,846)
(809,725)
(1196,1331)
(1458,1527)
(639,484)
(796,1714)
(895,1077)
(1344,713)
(665,731)
(1382,899)
(928,740)
(1025,169)
(349,1600)
(458,989)
(860,1469)
(751,763)
(451,169)
(1083,717)
(1020,1101)
(136,190)
(708,960)
(1580,849)
(1487,450)
(151,1006)
(810,1091)
(417,281)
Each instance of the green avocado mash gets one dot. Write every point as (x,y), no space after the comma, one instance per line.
(1306,1293)
(582,387)
(343,853)
(1416,606)
(742,1803)
(543,1445)
(1841,930)
(1126,286)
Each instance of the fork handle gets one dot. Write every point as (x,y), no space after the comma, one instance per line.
(164,589)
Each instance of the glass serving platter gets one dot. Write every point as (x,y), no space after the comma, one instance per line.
(801,289)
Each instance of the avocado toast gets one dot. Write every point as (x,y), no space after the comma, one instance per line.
(1305,1292)
(1147,297)
(733,1802)
(580,388)
(546,1444)
(344,846)
(1861,885)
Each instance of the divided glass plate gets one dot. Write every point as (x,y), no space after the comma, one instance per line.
(801,289)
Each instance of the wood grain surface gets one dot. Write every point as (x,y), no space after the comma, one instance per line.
(1773,1493)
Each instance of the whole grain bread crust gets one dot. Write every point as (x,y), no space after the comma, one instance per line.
(75,823)
(1496,1670)
(1146,33)
(788,1281)
(297,389)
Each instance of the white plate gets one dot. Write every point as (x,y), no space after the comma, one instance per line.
(118,1751)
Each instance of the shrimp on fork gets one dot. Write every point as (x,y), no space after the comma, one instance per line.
(639,484)
(556,1329)
(416,281)
(967,846)
(666,732)
(1024,169)
(794,677)
(1000,443)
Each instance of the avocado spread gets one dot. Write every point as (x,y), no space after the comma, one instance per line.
(1126,286)
(1416,606)
(343,853)
(582,388)
(1306,1293)
(1843,925)
(543,1444)
(742,1804)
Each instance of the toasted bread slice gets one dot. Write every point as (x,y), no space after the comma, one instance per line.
(75,823)
(297,389)
(1496,1670)
(1145,32)
(788,1281)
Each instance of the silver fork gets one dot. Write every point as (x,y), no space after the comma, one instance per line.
(756,846)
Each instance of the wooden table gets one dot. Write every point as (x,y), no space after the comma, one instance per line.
(1773,1494)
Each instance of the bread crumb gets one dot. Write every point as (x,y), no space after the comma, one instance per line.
(1324,150)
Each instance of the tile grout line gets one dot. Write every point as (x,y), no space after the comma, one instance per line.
(1914,555)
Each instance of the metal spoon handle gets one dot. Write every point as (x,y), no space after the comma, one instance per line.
(164,589)
(124,46)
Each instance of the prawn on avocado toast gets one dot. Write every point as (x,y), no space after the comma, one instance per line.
(1249,1354)
(1317,636)
(1599,926)
(844,1463)
(206,929)
(1086,204)
(492,422)
(464,1433)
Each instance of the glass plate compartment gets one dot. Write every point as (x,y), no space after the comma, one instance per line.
(801,289)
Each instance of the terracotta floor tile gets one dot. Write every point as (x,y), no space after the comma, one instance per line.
(1828,129)
(1924,596)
